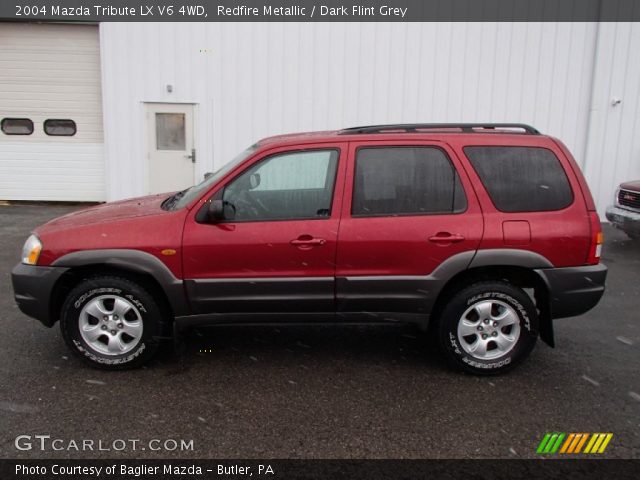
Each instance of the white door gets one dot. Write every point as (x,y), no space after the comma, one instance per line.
(171,151)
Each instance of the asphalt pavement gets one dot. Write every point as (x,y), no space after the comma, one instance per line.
(318,392)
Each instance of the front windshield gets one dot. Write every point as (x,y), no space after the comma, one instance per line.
(193,192)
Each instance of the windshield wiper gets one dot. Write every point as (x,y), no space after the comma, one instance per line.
(170,202)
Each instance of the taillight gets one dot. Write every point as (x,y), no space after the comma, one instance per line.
(597,238)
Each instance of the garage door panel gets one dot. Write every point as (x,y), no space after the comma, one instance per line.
(51,72)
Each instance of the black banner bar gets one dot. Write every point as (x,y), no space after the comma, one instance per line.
(587,469)
(320,10)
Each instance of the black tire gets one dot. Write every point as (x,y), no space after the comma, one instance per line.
(100,289)
(633,235)
(501,297)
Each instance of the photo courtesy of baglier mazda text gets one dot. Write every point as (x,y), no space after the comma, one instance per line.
(320,239)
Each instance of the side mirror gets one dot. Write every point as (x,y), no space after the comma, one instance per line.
(216,211)
(207,175)
(254,180)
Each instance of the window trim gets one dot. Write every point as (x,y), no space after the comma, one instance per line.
(411,214)
(75,127)
(562,166)
(219,194)
(17,118)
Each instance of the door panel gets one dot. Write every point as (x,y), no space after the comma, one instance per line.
(274,265)
(170,147)
(385,260)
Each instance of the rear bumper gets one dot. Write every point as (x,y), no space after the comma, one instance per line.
(626,220)
(574,290)
(32,287)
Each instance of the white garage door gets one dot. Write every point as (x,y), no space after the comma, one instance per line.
(51,144)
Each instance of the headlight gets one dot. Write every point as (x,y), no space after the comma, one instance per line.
(616,201)
(31,250)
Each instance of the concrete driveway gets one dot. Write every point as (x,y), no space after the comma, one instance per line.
(320,392)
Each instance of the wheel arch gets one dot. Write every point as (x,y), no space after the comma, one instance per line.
(523,277)
(138,266)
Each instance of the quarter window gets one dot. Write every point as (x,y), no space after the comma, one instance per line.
(288,186)
(60,127)
(16,126)
(405,181)
(521,179)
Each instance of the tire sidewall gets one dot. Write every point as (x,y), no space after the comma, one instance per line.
(452,314)
(633,235)
(96,287)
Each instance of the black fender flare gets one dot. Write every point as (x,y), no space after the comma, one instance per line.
(135,261)
(507,257)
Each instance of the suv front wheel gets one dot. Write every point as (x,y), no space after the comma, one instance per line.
(111,322)
(488,328)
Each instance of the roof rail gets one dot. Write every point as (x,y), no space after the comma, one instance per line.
(417,127)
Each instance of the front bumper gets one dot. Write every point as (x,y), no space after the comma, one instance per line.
(626,220)
(32,286)
(574,290)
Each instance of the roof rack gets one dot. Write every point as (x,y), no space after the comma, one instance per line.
(418,127)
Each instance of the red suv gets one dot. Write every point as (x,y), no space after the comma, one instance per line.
(481,234)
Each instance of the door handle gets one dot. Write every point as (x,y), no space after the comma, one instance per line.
(192,156)
(446,237)
(307,241)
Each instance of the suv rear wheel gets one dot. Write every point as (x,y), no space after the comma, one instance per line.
(488,328)
(112,322)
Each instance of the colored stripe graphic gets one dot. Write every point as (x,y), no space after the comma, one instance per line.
(592,441)
(572,443)
(543,443)
(583,439)
(567,443)
(594,444)
(556,446)
(550,443)
(605,442)
(598,443)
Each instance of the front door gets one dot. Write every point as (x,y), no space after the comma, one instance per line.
(275,250)
(170,146)
(409,209)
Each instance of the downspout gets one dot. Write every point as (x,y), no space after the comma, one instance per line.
(592,92)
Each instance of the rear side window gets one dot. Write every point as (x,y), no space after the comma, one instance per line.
(521,179)
(405,181)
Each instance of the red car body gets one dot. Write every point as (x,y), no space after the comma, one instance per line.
(388,266)
(141,224)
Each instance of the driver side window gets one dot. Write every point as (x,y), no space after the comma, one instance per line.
(286,186)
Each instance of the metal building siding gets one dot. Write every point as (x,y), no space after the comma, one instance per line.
(51,71)
(613,151)
(51,171)
(251,80)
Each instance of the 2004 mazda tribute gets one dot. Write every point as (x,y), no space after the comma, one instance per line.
(480,234)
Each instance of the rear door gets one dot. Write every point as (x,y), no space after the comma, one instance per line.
(409,210)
